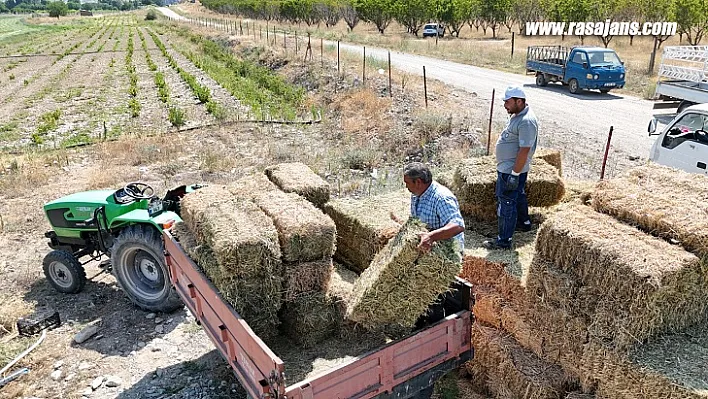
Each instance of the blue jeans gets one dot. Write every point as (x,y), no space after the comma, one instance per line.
(511,206)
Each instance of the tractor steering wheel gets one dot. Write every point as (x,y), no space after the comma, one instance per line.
(138,191)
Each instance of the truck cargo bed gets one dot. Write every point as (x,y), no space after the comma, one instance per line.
(399,369)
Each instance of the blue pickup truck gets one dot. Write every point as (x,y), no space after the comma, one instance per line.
(578,67)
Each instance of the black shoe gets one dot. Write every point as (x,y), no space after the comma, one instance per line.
(493,244)
(524,227)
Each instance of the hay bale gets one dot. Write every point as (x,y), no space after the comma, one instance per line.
(365,226)
(578,191)
(299,178)
(242,237)
(311,318)
(544,186)
(579,395)
(476,178)
(513,322)
(249,185)
(488,305)
(662,201)
(515,372)
(643,285)
(671,366)
(401,282)
(505,271)
(305,233)
(305,277)
(257,300)
(552,156)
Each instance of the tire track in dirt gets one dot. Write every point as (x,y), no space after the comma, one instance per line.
(180,94)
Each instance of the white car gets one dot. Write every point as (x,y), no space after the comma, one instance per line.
(683,144)
(433,29)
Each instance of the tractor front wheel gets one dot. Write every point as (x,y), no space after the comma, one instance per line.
(64,272)
(139,266)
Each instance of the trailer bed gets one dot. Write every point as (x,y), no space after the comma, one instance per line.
(357,366)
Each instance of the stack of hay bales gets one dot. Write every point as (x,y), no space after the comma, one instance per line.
(238,251)
(622,311)
(474,184)
(299,178)
(365,226)
(307,242)
(401,283)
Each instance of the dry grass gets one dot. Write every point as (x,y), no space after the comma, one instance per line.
(364,115)
(642,284)
(662,201)
(401,283)
(365,226)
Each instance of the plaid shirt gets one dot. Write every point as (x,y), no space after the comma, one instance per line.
(437,207)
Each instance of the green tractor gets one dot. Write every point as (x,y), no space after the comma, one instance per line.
(126,226)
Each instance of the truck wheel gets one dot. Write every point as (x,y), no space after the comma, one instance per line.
(64,272)
(541,80)
(573,86)
(139,266)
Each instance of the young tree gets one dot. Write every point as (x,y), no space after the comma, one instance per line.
(57,8)
(692,19)
(604,10)
(411,13)
(378,12)
(494,13)
(350,15)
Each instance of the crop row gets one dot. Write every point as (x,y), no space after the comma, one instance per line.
(200,91)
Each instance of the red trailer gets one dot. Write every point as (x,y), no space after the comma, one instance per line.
(406,368)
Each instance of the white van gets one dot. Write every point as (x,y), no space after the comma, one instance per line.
(433,29)
(683,144)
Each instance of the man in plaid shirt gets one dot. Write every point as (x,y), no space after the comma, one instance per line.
(435,205)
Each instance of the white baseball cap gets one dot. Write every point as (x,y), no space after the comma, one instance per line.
(514,92)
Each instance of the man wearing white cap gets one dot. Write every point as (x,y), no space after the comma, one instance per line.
(514,151)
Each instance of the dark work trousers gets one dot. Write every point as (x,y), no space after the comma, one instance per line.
(511,206)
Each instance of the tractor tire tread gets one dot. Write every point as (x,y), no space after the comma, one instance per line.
(148,236)
(75,268)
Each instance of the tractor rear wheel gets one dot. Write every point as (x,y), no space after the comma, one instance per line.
(139,266)
(64,272)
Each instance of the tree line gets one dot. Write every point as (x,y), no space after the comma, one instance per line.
(24,6)
(492,16)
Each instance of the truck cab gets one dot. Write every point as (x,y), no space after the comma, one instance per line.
(433,29)
(580,68)
(683,144)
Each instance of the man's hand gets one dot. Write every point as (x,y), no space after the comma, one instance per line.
(395,219)
(426,242)
(512,183)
